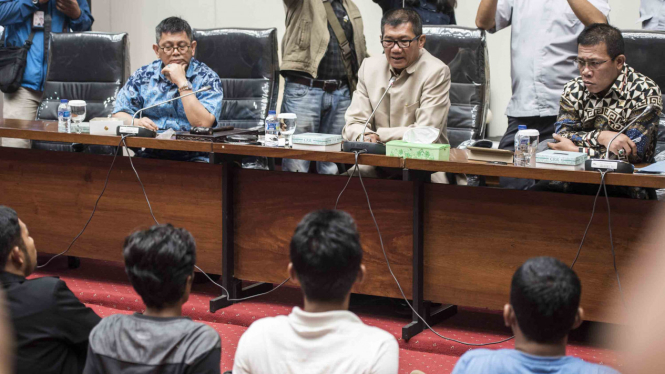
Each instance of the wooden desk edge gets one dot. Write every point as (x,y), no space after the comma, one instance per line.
(633,180)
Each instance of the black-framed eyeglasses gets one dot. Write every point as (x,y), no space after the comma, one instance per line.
(388,43)
(593,65)
(181,48)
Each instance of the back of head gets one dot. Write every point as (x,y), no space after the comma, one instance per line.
(173,25)
(326,255)
(598,33)
(545,295)
(10,233)
(158,262)
(399,16)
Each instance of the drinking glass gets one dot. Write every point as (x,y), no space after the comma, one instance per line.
(78,109)
(287,126)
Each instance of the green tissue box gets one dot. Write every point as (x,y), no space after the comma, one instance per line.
(400,148)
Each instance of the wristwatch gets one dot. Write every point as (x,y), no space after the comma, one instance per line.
(185,87)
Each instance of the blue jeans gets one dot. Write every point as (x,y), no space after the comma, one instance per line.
(318,111)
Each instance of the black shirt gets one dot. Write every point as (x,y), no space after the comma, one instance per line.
(332,63)
(51,326)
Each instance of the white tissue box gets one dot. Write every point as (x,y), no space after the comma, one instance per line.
(400,148)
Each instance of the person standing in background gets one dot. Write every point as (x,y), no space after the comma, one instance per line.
(543,46)
(432,12)
(652,14)
(319,69)
(18,18)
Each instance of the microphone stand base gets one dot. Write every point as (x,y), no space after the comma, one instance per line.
(371,148)
(615,166)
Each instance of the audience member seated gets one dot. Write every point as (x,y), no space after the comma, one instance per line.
(326,260)
(160,265)
(419,96)
(604,99)
(176,73)
(51,326)
(544,307)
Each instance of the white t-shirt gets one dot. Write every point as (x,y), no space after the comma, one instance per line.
(329,342)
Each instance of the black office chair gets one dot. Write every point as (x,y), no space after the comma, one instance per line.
(246,62)
(644,50)
(464,50)
(90,66)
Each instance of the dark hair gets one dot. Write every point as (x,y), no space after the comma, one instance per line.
(545,295)
(442,6)
(173,25)
(399,16)
(326,255)
(10,233)
(603,33)
(158,262)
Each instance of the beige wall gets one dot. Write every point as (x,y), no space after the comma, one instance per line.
(139,18)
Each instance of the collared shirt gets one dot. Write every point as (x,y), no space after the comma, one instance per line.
(51,326)
(333,342)
(652,14)
(148,86)
(543,45)
(584,115)
(419,97)
(16,17)
(332,64)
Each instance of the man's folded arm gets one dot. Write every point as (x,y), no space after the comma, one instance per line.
(569,126)
(432,111)
(358,112)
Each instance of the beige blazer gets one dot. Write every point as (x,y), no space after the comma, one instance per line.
(419,97)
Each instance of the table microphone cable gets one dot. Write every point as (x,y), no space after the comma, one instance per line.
(385,255)
(118,148)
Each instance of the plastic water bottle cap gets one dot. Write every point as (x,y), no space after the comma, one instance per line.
(64,101)
(272,112)
(521,127)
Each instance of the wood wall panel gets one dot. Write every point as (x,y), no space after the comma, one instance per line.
(55,192)
(475,239)
(269,205)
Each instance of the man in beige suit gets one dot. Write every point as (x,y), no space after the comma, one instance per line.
(419,96)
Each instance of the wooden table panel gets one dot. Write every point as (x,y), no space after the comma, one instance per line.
(269,205)
(55,192)
(475,239)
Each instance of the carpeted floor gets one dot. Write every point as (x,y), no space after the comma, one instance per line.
(104,287)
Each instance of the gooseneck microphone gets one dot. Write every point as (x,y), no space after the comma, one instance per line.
(617,166)
(362,145)
(142,132)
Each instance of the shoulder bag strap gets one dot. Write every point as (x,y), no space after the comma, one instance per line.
(344,45)
(47,33)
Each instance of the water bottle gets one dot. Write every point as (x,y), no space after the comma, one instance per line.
(526,144)
(272,139)
(64,116)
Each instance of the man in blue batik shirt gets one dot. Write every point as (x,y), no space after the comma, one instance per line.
(175,74)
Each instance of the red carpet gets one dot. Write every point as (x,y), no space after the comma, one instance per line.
(105,288)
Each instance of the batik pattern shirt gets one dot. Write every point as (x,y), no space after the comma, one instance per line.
(583,115)
(148,86)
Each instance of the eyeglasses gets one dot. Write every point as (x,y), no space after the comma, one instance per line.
(388,43)
(181,48)
(593,65)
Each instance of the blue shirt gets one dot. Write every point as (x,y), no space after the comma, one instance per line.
(510,361)
(148,86)
(16,17)
(426,10)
